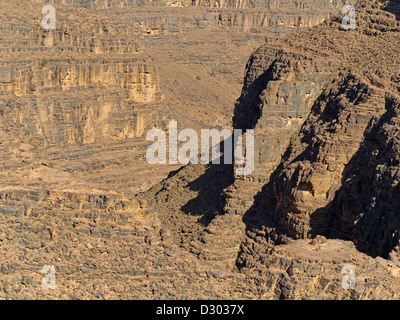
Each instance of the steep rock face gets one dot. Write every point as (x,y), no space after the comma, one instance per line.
(140,80)
(366,206)
(89,85)
(252,21)
(85,108)
(247,15)
(114,69)
(334,111)
(238,4)
(104,4)
(317,186)
(318,155)
(270,4)
(61,68)
(279,91)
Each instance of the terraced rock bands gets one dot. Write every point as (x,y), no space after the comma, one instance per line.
(77,192)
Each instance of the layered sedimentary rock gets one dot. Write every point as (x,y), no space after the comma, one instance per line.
(319,180)
(112,70)
(365,208)
(76,103)
(279,91)
(85,86)
(324,106)
(255,16)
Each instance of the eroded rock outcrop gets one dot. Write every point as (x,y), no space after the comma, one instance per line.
(324,103)
(330,174)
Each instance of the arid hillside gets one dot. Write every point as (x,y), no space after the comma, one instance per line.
(84,96)
(77,192)
(324,106)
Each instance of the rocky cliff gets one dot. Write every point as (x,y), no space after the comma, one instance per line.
(332,151)
(324,106)
(76,103)
(112,70)
(316,117)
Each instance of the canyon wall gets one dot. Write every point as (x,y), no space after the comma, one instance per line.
(319,143)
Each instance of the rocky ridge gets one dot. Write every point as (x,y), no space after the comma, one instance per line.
(323,104)
(204,233)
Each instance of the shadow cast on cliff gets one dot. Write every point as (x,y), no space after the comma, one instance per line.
(268,212)
(393,6)
(210,186)
(364,209)
(250,99)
